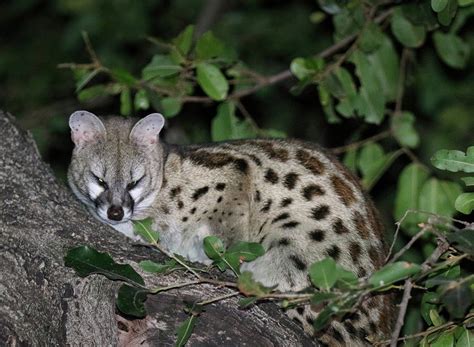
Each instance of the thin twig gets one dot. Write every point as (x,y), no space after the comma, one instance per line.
(218,298)
(401,81)
(401,314)
(410,243)
(357,144)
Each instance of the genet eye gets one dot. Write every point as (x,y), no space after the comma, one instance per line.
(133,184)
(100,181)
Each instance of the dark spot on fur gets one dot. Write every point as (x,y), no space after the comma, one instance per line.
(180,204)
(375,257)
(241,165)
(210,217)
(217,160)
(333,252)
(361,226)
(215,210)
(285,202)
(350,328)
(311,163)
(337,335)
(343,190)
(310,320)
(220,186)
(267,206)
(355,250)
(193,210)
(185,219)
(174,192)
(258,196)
(290,225)
(362,333)
(219,199)
(261,227)
(165,209)
(255,159)
(338,227)
(280,217)
(298,262)
(289,180)
(320,212)
(361,272)
(312,190)
(300,310)
(284,241)
(199,193)
(317,235)
(271,176)
(262,239)
(273,152)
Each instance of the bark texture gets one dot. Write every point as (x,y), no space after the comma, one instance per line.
(43,303)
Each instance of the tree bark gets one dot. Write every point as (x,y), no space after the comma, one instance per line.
(43,303)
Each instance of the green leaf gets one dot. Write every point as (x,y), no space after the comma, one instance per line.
(246,251)
(468,181)
(249,287)
(444,277)
(171,106)
(458,297)
(143,228)
(212,81)
(373,162)
(208,47)
(371,38)
(463,3)
(393,272)
(409,186)
(320,297)
(409,34)
(304,68)
(466,339)
(429,302)
(226,125)
(345,279)
(185,330)
(151,266)
(141,100)
(86,260)
(451,49)
(184,40)
(439,5)
(448,13)
(246,302)
(446,339)
(350,160)
(465,203)
(160,66)
(463,240)
(123,76)
(438,197)
(435,318)
(404,131)
(324,316)
(92,92)
(130,300)
(84,77)
(454,161)
(213,247)
(323,274)
(125,102)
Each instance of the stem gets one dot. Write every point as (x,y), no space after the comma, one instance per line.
(401,314)
(218,298)
(355,145)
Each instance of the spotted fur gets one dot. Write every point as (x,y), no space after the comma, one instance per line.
(291,196)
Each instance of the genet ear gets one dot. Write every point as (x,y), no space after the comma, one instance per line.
(86,128)
(146,131)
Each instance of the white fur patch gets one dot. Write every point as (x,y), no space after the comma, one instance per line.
(94,190)
(127,229)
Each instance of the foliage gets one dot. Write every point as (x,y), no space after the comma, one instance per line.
(391,86)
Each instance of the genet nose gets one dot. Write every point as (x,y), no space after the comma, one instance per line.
(115,213)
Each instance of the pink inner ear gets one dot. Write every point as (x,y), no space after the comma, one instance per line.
(81,136)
